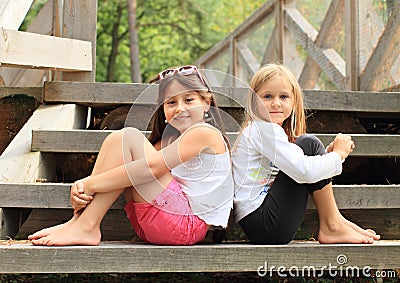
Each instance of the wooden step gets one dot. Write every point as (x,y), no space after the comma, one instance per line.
(123,257)
(56,195)
(102,94)
(89,141)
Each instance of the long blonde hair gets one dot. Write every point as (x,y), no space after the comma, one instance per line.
(295,124)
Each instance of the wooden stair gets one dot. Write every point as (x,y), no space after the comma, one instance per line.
(124,257)
(59,126)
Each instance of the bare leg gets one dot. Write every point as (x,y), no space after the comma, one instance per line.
(334,228)
(85,228)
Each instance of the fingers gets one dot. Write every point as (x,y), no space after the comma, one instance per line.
(78,198)
(343,145)
(78,203)
(329,148)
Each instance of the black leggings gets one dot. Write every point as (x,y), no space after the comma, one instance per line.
(277,219)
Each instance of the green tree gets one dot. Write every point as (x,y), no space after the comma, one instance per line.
(173,32)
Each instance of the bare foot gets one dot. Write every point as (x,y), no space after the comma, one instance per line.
(70,235)
(341,233)
(366,232)
(45,232)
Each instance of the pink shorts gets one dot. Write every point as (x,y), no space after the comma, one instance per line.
(167,220)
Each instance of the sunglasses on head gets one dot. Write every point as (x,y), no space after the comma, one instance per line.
(184,70)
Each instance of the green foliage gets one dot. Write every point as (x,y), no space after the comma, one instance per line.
(171,32)
(33,11)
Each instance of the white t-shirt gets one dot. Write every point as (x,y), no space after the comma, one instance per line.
(262,150)
(208,184)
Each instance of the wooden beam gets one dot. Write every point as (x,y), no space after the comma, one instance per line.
(384,55)
(89,141)
(143,258)
(327,37)
(80,22)
(359,101)
(19,164)
(260,16)
(36,92)
(327,58)
(29,50)
(12,13)
(272,52)
(56,195)
(352,37)
(42,24)
(247,61)
(100,94)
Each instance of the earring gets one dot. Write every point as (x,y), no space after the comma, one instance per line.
(166,121)
(206,115)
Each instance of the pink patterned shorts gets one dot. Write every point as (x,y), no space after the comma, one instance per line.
(167,220)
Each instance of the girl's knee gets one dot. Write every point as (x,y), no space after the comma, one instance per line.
(310,144)
(114,136)
(131,132)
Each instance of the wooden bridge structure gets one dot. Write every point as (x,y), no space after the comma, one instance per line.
(54,61)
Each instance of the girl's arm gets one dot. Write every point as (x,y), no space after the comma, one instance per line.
(198,138)
(271,141)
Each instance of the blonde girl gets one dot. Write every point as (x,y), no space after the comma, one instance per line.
(178,184)
(276,166)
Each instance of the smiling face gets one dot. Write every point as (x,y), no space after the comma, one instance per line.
(277,98)
(184,109)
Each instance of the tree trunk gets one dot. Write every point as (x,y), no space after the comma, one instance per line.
(134,44)
(114,46)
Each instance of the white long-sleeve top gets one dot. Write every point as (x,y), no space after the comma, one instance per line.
(262,150)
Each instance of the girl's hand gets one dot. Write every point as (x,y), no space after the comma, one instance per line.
(329,148)
(343,145)
(78,198)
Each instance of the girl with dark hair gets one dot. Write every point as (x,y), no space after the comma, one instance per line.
(178,184)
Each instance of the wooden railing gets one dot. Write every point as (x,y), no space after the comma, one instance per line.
(283,34)
(59,43)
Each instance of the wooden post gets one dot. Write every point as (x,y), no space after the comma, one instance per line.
(57,31)
(79,22)
(234,61)
(352,44)
(280,27)
(327,37)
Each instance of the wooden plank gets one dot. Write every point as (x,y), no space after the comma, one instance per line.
(36,92)
(101,94)
(378,102)
(56,195)
(327,36)
(89,141)
(30,50)
(328,59)
(247,60)
(352,44)
(12,13)
(272,52)
(106,258)
(80,22)
(42,24)
(115,225)
(19,164)
(260,16)
(385,54)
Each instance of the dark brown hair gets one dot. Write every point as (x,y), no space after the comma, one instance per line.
(190,82)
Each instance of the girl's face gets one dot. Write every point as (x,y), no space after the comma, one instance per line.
(277,99)
(184,109)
